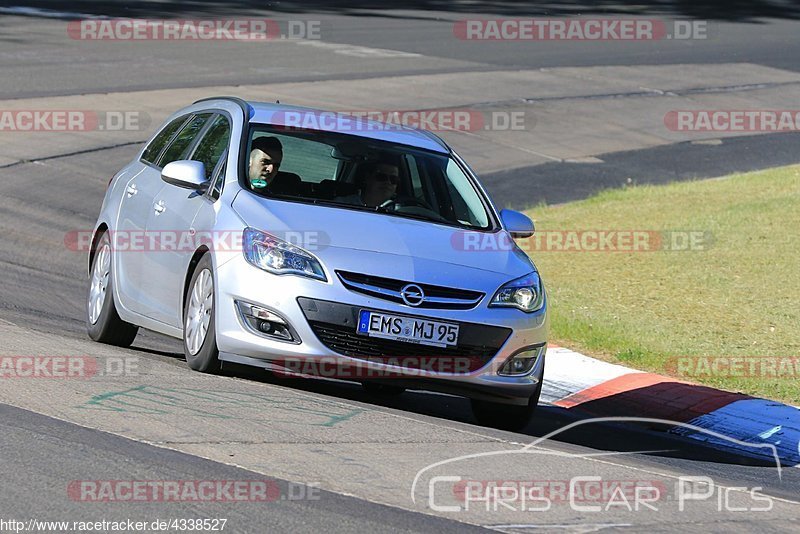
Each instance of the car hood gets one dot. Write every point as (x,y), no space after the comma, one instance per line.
(323,230)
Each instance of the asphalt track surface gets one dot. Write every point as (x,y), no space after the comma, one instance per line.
(44,284)
(762,32)
(70,452)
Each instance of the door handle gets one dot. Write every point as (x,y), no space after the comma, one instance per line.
(159,207)
(131,190)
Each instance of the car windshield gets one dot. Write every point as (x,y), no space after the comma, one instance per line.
(335,169)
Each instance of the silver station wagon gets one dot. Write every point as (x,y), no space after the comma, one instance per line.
(311,243)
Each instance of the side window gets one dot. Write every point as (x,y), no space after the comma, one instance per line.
(183,140)
(311,160)
(150,154)
(213,144)
(465,201)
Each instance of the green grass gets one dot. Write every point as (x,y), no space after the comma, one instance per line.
(740,296)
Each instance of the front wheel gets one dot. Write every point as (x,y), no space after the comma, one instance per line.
(199,337)
(103,323)
(506,416)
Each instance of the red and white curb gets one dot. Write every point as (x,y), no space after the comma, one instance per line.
(720,418)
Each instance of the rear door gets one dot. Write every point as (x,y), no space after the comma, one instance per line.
(174,210)
(129,241)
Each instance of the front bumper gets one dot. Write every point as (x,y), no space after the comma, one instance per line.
(489,336)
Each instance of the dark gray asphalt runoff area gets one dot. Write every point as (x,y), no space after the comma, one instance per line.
(710,9)
(39,453)
(557,182)
(762,32)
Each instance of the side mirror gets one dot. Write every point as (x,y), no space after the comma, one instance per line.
(518,224)
(186,173)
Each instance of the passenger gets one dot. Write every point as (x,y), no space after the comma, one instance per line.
(266,155)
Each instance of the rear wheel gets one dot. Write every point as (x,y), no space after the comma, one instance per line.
(506,416)
(199,337)
(103,323)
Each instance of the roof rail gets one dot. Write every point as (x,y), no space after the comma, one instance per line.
(235,99)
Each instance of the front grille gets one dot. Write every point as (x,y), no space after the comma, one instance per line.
(440,297)
(335,326)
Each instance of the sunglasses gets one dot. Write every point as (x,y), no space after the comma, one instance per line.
(385,177)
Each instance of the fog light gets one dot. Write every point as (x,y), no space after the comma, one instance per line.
(275,329)
(265,322)
(522,362)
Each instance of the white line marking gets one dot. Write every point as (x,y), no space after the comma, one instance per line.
(359,51)
(46,13)
(578,527)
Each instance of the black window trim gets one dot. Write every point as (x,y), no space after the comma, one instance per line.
(197,136)
(190,150)
(206,127)
(223,157)
(186,118)
(218,170)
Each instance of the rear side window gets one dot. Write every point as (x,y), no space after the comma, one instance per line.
(150,154)
(312,161)
(213,144)
(183,140)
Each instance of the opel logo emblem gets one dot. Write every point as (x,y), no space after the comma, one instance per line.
(412,294)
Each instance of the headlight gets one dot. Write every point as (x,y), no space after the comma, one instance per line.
(275,255)
(526,293)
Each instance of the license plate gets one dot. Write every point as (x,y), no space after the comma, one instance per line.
(408,329)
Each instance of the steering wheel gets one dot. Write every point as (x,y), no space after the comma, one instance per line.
(415,207)
(406,201)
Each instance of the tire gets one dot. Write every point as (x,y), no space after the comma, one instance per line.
(382,390)
(506,416)
(103,323)
(199,333)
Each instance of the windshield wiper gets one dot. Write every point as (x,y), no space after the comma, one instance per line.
(411,215)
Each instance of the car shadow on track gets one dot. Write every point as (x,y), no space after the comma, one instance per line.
(609,437)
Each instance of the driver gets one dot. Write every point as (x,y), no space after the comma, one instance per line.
(378,185)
